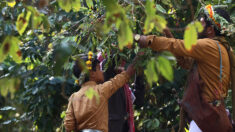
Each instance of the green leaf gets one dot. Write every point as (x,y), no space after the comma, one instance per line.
(165,68)
(10,46)
(62,115)
(150,8)
(46,24)
(9,85)
(152,20)
(190,36)
(22,22)
(76,5)
(90,93)
(160,23)
(150,72)
(157,21)
(36,17)
(89,3)
(110,4)
(160,8)
(65,5)
(156,123)
(148,25)
(125,35)
(199,26)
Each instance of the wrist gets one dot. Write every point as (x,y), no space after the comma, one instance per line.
(137,37)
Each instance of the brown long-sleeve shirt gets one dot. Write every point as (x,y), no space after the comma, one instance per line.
(206,53)
(84,113)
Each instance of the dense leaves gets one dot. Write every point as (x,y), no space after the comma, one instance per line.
(40,39)
(152,19)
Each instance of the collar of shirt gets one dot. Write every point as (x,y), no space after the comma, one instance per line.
(89,83)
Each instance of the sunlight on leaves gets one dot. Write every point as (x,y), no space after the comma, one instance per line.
(76,5)
(69,5)
(65,5)
(22,22)
(152,20)
(10,46)
(191,34)
(11,3)
(148,25)
(36,17)
(165,68)
(125,36)
(150,72)
(89,3)
(198,26)
(118,17)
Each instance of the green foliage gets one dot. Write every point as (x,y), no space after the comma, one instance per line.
(118,17)
(150,72)
(62,115)
(125,35)
(89,3)
(10,46)
(153,20)
(39,41)
(190,34)
(22,22)
(165,68)
(9,86)
(68,5)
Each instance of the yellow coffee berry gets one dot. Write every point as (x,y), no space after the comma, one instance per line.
(77,82)
(88,62)
(90,53)
(89,57)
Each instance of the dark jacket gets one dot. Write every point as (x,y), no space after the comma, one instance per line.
(117,104)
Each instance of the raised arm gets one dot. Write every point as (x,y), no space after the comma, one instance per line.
(176,46)
(110,87)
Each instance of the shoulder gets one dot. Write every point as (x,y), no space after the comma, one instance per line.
(206,42)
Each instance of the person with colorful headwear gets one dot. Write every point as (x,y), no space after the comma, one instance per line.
(209,78)
(84,112)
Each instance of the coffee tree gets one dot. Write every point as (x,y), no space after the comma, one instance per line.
(39,41)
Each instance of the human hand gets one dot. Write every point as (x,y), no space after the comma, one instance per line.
(131,69)
(119,69)
(143,41)
(168,33)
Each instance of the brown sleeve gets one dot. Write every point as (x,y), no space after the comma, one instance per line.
(70,121)
(110,87)
(176,46)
